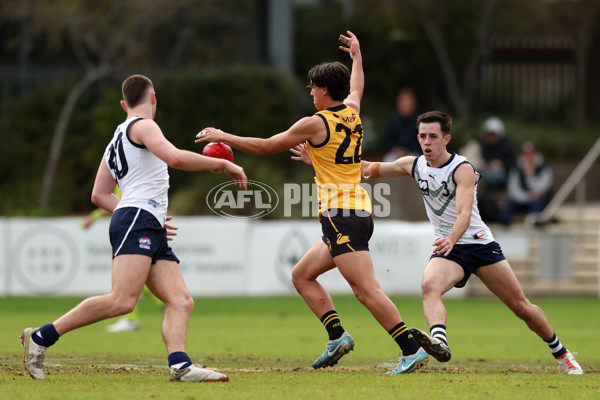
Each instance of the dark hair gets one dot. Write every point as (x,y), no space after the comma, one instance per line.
(134,89)
(335,76)
(444,120)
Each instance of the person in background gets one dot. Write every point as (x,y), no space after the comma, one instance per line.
(498,155)
(529,184)
(400,137)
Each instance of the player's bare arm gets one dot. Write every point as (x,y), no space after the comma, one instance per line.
(146,132)
(357,76)
(308,128)
(398,168)
(103,195)
(465,179)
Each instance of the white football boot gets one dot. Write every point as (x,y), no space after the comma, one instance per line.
(195,373)
(34,354)
(568,364)
(123,325)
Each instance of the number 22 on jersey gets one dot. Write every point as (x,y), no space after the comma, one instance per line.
(339,154)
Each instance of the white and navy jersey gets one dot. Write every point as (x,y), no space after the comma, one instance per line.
(143,178)
(438,189)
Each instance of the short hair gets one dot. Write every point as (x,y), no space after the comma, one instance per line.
(335,76)
(441,117)
(135,88)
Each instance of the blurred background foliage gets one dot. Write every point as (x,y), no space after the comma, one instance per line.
(242,107)
(210,64)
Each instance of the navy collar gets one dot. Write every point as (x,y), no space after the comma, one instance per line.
(447,162)
(337,108)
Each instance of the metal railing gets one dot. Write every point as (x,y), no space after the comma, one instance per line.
(567,187)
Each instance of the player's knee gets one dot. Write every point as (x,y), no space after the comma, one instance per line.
(365,294)
(298,277)
(429,287)
(364,300)
(524,310)
(184,302)
(188,303)
(124,306)
(179,301)
(295,278)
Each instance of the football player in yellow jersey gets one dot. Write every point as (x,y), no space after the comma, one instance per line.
(333,137)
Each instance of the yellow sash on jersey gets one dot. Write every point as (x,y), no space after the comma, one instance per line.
(337,161)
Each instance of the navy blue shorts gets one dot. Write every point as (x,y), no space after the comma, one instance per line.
(136,231)
(344,231)
(473,256)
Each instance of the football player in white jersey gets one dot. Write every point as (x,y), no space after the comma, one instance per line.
(463,243)
(137,159)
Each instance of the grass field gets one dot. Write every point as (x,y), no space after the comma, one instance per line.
(266,346)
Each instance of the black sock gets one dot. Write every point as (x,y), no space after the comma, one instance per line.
(332,323)
(405,340)
(556,346)
(46,336)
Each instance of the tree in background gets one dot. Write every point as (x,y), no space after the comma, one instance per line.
(460,94)
(581,19)
(108,37)
(433,46)
(104,37)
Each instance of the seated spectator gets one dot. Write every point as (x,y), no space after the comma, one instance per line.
(400,137)
(498,157)
(529,184)
(497,151)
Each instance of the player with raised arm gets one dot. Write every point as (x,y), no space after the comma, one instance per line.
(333,137)
(137,159)
(463,244)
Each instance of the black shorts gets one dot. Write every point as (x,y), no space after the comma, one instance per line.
(345,231)
(473,256)
(136,231)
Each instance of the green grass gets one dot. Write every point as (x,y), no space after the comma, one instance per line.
(266,346)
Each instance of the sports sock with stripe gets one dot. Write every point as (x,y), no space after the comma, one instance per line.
(439,332)
(46,336)
(179,360)
(332,323)
(407,343)
(556,346)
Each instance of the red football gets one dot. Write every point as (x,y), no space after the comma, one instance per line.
(218,150)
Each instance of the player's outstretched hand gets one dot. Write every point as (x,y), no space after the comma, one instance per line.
(237,174)
(209,134)
(351,44)
(170,229)
(301,154)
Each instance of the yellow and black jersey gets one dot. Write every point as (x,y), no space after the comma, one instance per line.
(337,161)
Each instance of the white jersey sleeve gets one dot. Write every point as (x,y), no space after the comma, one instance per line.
(438,189)
(143,178)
